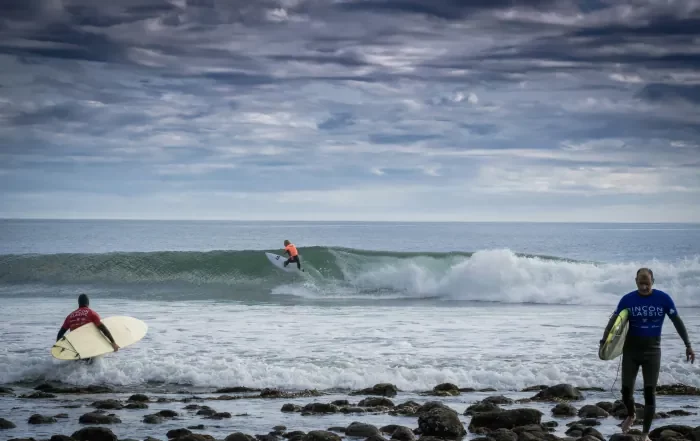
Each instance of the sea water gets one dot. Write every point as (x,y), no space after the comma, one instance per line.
(501,306)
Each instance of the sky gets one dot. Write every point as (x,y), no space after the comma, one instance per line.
(409,110)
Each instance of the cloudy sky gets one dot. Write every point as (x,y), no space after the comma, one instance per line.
(535,110)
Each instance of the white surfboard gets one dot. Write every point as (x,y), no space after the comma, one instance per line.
(88,341)
(278,261)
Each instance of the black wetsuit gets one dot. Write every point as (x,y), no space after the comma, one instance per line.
(642,347)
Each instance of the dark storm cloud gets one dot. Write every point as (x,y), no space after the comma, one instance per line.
(217,94)
(444,9)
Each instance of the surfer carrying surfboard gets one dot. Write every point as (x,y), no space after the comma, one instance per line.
(647,309)
(290,249)
(82,316)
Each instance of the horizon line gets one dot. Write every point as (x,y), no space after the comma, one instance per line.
(341,220)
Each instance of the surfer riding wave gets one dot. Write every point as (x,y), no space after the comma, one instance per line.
(290,249)
(647,309)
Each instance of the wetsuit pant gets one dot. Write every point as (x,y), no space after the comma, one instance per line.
(293,259)
(644,353)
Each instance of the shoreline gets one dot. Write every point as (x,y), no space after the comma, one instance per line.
(383,412)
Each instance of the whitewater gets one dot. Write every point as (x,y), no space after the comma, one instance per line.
(502,306)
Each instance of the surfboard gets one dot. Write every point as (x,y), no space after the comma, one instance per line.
(278,261)
(615,340)
(88,341)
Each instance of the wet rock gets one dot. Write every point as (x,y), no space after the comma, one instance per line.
(505,419)
(536,388)
(61,416)
(355,409)
(140,398)
(408,408)
(677,389)
(680,412)
(148,438)
(430,405)
(235,390)
(206,411)
(98,418)
(321,435)
(167,413)
(481,407)
(497,399)
(320,408)
(94,434)
(5,424)
(73,390)
(586,422)
(153,419)
(291,408)
(340,403)
(177,433)
(559,392)
(38,395)
(358,429)
(684,431)
(403,433)
(606,406)
(276,393)
(375,438)
(41,419)
(442,422)
(296,435)
(280,428)
(564,410)
(195,437)
(446,390)
(620,411)
(108,404)
(503,435)
(218,416)
(6,391)
(268,437)
(376,402)
(624,437)
(61,438)
(592,411)
(381,389)
(136,405)
(197,427)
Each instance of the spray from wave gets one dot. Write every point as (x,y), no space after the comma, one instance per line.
(340,273)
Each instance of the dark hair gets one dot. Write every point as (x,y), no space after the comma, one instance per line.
(651,273)
(83,300)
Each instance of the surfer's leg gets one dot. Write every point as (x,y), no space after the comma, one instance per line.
(650,372)
(630,368)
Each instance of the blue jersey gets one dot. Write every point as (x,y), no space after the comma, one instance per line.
(647,313)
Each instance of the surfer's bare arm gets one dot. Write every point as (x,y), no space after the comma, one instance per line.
(61,333)
(108,334)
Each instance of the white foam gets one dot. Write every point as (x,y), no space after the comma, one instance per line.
(502,276)
(224,344)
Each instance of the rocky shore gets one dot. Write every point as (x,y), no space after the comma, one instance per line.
(381,413)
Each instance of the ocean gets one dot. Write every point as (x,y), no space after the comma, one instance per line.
(502,306)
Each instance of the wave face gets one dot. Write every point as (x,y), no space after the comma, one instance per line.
(340,273)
